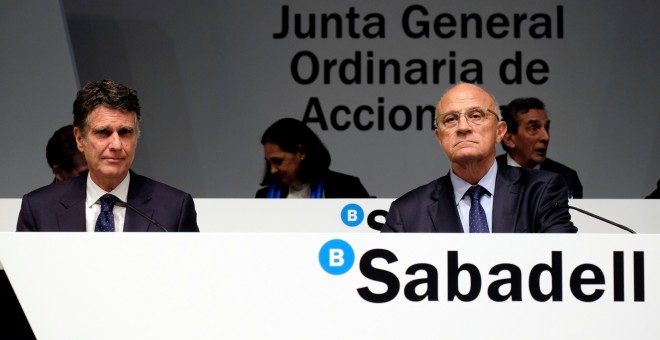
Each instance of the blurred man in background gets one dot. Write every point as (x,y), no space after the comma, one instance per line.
(527,139)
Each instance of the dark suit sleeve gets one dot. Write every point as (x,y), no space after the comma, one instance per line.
(551,219)
(577,186)
(568,174)
(338,185)
(393,223)
(188,220)
(261,193)
(656,192)
(25,219)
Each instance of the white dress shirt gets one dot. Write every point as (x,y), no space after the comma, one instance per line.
(511,162)
(463,202)
(93,203)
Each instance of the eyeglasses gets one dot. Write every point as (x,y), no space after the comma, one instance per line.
(474,116)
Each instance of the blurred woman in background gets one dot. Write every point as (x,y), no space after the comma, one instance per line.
(297,166)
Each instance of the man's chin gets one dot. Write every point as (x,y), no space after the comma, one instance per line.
(111,172)
(465,156)
(538,159)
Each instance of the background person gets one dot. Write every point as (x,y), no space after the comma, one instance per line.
(63,156)
(106,126)
(477,195)
(297,166)
(527,139)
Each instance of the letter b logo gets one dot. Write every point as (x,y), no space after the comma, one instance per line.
(352,215)
(336,257)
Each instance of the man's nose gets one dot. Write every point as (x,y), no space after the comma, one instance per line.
(115,141)
(463,124)
(273,169)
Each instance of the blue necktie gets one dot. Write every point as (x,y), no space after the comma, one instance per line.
(106,220)
(478,222)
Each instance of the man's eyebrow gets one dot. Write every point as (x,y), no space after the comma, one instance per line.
(466,110)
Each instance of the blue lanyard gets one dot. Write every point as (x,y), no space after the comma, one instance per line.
(317,189)
(275,190)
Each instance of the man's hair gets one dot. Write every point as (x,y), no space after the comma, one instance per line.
(62,148)
(290,135)
(511,113)
(106,93)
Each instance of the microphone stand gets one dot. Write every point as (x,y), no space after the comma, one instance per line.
(596,216)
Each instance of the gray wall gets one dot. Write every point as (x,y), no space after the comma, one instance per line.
(211,77)
(38,82)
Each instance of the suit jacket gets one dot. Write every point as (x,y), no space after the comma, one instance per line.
(61,207)
(523,203)
(335,185)
(569,175)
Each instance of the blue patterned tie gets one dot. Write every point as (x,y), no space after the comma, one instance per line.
(478,222)
(106,220)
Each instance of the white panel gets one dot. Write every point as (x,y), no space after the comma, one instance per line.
(273,285)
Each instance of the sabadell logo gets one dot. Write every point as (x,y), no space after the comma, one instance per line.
(428,281)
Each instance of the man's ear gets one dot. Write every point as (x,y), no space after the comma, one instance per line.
(79,138)
(508,140)
(438,137)
(501,131)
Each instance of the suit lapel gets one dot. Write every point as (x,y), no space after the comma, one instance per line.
(506,200)
(138,196)
(443,211)
(72,217)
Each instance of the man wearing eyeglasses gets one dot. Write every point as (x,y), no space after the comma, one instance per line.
(477,195)
(527,138)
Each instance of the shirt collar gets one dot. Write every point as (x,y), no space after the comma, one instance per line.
(511,162)
(94,192)
(461,186)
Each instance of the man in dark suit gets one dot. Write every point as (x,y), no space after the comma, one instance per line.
(106,128)
(478,195)
(527,139)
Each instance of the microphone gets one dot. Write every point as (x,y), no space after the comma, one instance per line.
(117,200)
(559,205)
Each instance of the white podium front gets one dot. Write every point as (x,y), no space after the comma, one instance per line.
(335,285)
